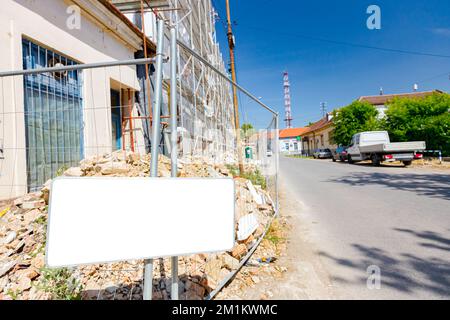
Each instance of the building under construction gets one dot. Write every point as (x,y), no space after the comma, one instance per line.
(205,107)
(51,120)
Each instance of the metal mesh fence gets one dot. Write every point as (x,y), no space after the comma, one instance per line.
(92,121)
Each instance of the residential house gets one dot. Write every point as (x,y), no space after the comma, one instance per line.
(380,102)
(290,140)
(318,135)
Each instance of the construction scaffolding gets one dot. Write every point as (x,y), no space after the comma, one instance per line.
(205,108)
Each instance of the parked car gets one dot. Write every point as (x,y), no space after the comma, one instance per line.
(322,154)
(340,154)
(377,147)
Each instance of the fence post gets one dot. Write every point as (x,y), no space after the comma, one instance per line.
(277,154)
(173,136)
(148,265)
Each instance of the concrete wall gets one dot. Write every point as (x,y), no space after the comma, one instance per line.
(44,22)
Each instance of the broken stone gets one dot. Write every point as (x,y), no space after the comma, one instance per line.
(133,158)
(38,262)
(196,288)
(212,268)
(32,274)
(110,168)
(31,216)
(18,202)
(10,237)
(73,172)
(6,266)
(28,205)
(256,280)
(23,284)
(229,262)
(239,251)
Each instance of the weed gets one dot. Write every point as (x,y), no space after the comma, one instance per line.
(274,234)
(60,283)
(256,178)
(61,170)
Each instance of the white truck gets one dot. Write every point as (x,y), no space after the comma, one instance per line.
(376,146)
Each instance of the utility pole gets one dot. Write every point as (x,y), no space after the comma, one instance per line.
(235,98)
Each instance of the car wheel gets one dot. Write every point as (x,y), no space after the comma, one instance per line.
(375,160)
(350,160)
(407,163)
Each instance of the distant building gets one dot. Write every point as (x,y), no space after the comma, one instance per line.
(380,102)
(290,140)
(318,136)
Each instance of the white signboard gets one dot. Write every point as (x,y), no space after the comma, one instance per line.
(93,220)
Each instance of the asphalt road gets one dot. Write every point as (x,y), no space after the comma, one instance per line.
(396,219)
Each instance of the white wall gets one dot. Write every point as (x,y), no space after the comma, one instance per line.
(44,22)
(381,111)
(291,148)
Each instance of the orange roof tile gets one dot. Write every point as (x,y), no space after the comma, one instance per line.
(292,132)
(322,123)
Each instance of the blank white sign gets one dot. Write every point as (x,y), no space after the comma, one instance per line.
(94,220)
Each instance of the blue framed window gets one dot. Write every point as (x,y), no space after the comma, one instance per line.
(53,115)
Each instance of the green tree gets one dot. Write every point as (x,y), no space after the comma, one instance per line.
(424,119)
(247,130)
(246,127)
(356,117)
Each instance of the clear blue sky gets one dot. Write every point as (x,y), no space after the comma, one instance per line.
(273,36)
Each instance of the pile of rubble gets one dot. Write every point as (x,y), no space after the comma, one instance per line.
(23,221)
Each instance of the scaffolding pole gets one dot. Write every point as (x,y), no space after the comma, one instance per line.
(173,136)
(148,266)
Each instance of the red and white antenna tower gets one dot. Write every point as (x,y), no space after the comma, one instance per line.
(287,100)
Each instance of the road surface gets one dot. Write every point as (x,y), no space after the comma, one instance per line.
(392,219)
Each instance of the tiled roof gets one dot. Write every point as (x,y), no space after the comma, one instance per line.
(292,132)
(383,99)
(322,123)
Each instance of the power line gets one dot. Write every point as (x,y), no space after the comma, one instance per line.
(436,76)
(418,53)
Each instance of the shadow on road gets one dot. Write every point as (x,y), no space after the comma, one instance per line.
(404,272)
(430,185)
(433,239)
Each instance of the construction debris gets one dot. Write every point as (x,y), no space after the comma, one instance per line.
(23,274)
